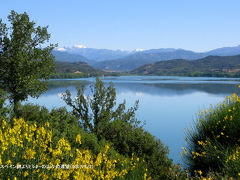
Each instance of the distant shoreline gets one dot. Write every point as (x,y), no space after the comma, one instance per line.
(78,76)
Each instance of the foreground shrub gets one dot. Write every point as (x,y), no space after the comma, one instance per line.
(128,139)
(28,151)
(62,123)
(214,141)
(99,114)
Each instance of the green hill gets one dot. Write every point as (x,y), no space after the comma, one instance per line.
(228,66)
(75,70)
(75,67)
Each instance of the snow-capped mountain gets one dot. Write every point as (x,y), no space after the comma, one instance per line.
(95,54)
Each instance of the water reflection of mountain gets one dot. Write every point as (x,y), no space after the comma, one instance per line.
(153,89)
(224,89)
(178,89)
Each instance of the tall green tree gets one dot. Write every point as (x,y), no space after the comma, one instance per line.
(26,61)
(96,112)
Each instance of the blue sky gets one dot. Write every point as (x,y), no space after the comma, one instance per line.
(197,25)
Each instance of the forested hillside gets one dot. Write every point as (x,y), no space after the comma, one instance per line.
(208,66)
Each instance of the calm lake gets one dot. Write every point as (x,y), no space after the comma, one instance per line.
(166,104)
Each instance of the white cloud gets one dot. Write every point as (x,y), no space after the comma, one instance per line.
(80,46)
(139,50)
(61,49)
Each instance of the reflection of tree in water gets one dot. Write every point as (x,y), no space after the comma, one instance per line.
(177,89)
(210,88)
(153,89)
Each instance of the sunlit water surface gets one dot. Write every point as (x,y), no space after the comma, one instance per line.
(168,105)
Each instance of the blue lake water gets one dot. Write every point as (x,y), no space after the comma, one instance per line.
(166,104)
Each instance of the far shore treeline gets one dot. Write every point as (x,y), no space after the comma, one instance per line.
(98,138)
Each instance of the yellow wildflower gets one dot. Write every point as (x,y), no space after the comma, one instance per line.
(78,139)
(8,162)
(199,172)
(26,173)
(29,154)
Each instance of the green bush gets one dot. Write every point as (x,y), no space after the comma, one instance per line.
(99,114)
(128,139)
(213,142)
(63,125)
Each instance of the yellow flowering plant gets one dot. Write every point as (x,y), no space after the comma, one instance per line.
(213,144)
(28,151)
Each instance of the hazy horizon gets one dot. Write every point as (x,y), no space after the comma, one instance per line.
(137,49)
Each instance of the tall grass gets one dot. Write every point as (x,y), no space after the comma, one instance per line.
(213,141)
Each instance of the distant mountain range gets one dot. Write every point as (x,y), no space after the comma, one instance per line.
(138,59)
(117,60)
(133,61)
(67,57)
(228,66)
(225,51)
(96,55)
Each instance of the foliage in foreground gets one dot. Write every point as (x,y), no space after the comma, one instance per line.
(214,141)
(31,145)
(98,113)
